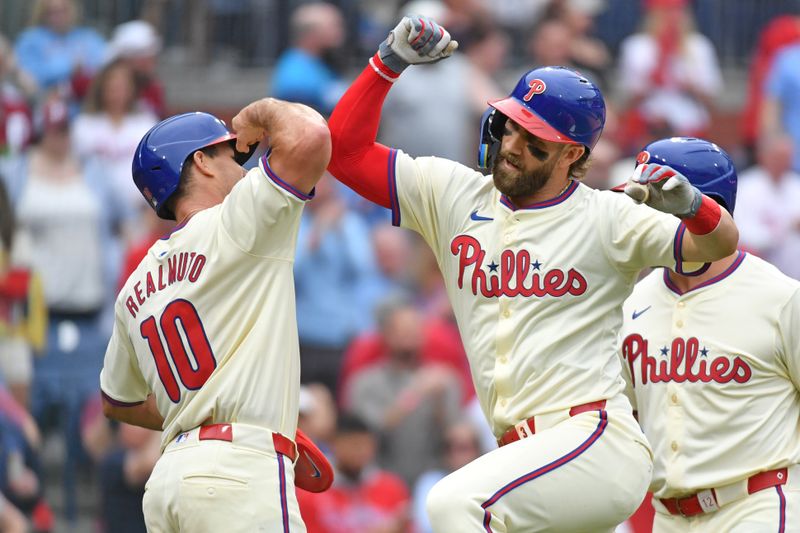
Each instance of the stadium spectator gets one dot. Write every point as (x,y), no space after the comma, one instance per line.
(305,72)
(16,89)
(318,415)
(588,53)
(137,42)
(334,259)
(780,112)
(109,128)
(65,217)
(768,206)
(404,400)
(56,52)
(782,31)
(669,72)
(363,497)
(124,456)
(461,446)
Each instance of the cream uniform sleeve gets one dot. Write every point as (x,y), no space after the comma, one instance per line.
(789,337)
(121,378)
(431,195)
(262,213)
(637,236)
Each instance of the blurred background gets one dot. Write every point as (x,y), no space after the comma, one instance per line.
(387,392)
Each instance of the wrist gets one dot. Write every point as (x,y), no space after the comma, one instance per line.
(390,58)
(706,217)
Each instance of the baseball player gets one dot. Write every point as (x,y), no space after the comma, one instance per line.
(205,339)
(536,266)
(713,362)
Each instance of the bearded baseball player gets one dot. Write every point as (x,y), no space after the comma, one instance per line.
(205,340)
(537,266)
(713,367)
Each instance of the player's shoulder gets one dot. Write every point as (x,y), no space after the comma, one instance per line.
(442,167)
(768,276)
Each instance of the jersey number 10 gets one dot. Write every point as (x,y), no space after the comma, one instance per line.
(193,374)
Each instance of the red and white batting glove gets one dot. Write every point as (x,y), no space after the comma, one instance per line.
(416,39)
(664,188)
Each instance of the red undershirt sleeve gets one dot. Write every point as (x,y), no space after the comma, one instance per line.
(357,160)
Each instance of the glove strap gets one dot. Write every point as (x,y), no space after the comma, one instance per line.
(706,219)
(382,70)
(390,59)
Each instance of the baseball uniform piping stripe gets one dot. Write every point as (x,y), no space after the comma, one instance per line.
(284,505)
(722,275)
(571,188)
(280,183)
(119,403)
(782,521)
(173,230)
(391,172)
(677,247)
(561,461)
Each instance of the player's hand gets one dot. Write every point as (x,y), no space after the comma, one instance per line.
(249,125)
(416,39)
(664,188)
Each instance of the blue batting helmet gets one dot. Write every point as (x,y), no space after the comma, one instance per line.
(705,164)
(554,103)
(163,150)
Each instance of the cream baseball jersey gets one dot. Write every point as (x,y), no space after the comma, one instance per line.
(715,374)
(207,320)
(536,291)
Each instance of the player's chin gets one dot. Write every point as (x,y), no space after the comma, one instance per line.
(509,183)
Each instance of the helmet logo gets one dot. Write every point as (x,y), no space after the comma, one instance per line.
(536,86)
(643,157)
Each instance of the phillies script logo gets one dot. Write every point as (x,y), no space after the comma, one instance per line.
(516,275)
(536,86)
(686,362)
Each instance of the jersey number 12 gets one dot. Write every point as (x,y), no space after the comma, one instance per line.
(193,372)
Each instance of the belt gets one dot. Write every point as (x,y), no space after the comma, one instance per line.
(225,432)
(527,427)
(710,500)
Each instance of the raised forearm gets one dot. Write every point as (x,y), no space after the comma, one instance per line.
(298,137)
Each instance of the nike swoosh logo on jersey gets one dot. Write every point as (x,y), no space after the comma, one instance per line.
(475,216)
(316,473)
(637,314)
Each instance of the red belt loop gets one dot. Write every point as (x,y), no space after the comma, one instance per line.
(514,434)
(690,505)
(216,432)
(284,446)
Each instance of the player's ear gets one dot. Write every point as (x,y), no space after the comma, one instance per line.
(572,153)
(201,162)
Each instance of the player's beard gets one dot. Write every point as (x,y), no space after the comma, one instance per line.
(519,184)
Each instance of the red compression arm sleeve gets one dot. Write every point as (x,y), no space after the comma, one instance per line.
(357,160)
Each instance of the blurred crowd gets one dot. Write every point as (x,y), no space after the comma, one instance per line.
(387,391)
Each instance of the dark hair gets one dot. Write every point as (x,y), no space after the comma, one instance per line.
(348,423)
(185,178)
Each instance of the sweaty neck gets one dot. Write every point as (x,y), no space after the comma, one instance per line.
(554,186)
(687,283)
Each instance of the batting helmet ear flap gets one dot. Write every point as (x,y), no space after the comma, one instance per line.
(492,124)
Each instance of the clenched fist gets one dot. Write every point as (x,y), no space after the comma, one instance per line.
(415,40)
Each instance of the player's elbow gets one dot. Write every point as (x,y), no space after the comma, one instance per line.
(317,143)
(110,410)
